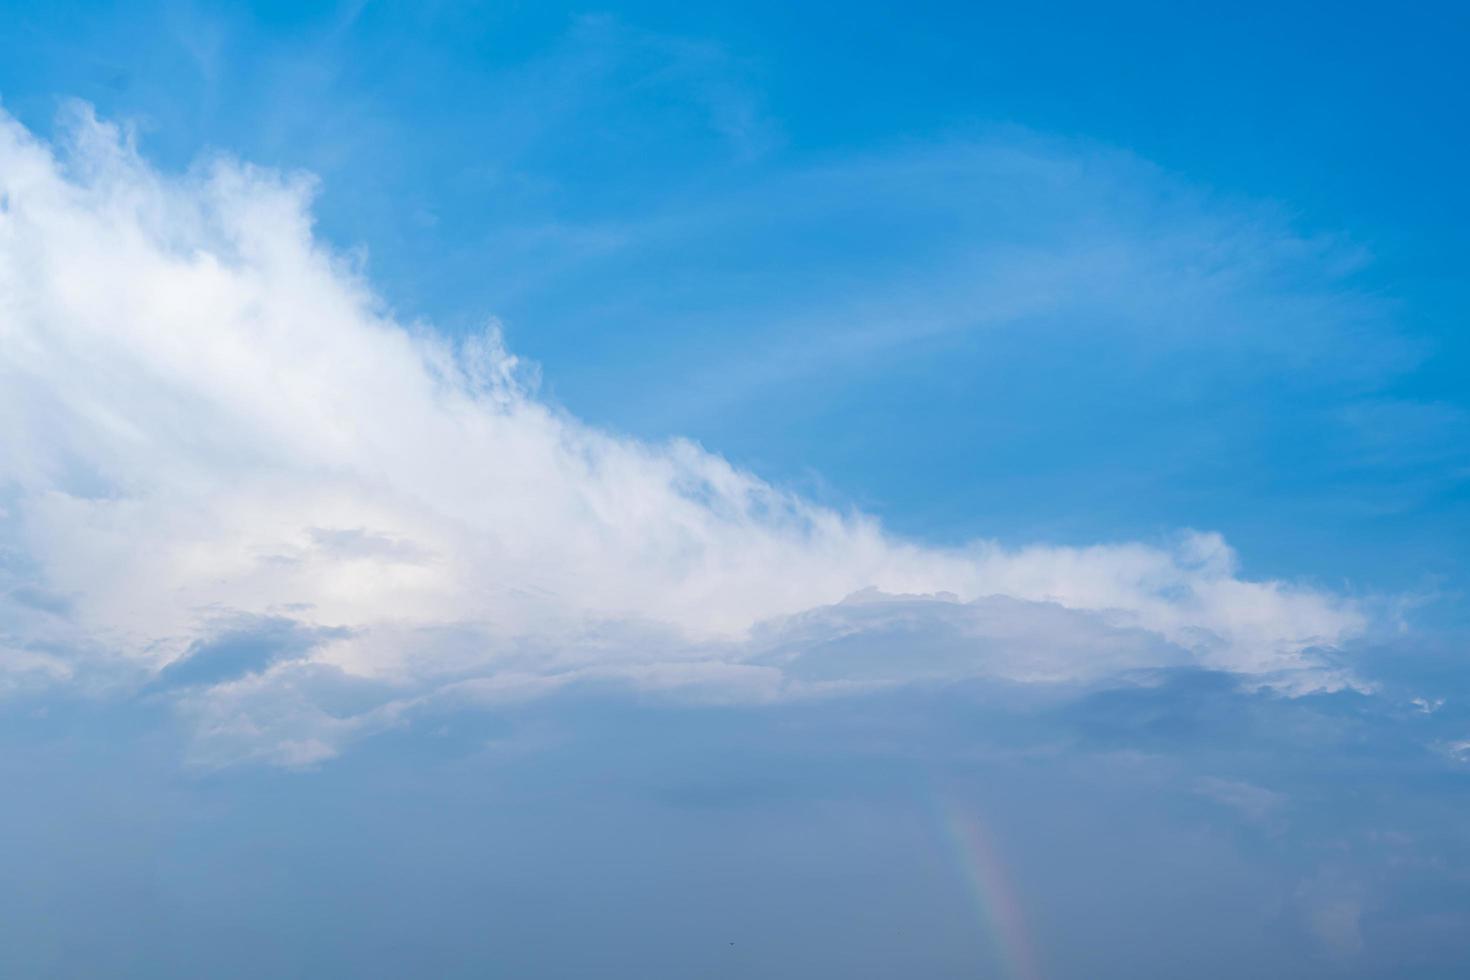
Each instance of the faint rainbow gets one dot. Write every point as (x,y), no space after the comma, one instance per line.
(1000,912)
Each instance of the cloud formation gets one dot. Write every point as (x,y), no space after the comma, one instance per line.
(211,424)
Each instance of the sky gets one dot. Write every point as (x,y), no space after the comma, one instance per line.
(757,490)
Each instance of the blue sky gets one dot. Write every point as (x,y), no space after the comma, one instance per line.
(531,163)
(930,490)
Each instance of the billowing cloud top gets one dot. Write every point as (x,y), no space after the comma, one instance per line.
(229,474)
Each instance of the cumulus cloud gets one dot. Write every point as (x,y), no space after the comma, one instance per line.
(220,446)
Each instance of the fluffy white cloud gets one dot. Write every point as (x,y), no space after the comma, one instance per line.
(207,418)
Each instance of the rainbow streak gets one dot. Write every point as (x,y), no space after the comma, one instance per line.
(994,899)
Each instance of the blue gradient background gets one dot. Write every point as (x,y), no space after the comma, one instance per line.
(755,225)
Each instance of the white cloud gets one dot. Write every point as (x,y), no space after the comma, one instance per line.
(205,414)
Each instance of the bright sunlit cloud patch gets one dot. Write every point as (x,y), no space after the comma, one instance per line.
(221,448)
